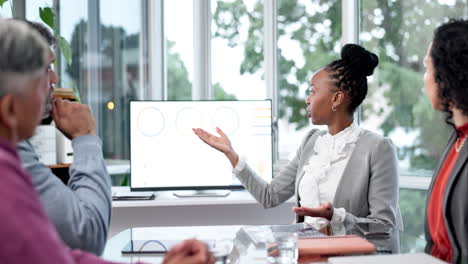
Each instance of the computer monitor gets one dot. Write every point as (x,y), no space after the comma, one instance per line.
(167,155)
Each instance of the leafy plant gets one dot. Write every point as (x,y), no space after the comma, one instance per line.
(47,16)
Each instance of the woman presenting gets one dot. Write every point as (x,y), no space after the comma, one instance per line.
(345,174)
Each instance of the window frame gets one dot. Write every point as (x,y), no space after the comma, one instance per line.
(153,57)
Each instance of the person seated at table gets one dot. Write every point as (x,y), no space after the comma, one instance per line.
(345,174)
(446,85)
(81,210)
(26,233)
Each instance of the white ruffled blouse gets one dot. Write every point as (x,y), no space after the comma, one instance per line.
(324,171)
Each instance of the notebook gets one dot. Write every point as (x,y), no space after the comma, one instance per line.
(387,259)
(126,195)
(334,245)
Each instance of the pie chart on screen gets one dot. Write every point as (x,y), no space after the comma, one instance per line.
(151,122)
(186,119)
(227,119)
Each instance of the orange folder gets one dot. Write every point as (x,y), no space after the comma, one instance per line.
(334,245)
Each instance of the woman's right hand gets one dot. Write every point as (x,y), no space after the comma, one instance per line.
(221,143)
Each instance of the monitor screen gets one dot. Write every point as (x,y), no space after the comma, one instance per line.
(167,155)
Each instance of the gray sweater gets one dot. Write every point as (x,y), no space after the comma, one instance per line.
(368,189)
(81,211)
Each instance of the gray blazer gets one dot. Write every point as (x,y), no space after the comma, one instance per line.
(455,205)
(368,189)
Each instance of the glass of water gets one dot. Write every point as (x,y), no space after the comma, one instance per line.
(285,248)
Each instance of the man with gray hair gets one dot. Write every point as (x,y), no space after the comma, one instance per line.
(26,234)
(81,211)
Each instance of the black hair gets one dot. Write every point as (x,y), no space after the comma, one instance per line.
(449,53)
(42,30)
(351,71)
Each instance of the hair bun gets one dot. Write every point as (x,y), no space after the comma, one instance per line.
(364,60)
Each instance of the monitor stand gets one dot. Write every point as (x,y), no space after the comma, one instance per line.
(202,193)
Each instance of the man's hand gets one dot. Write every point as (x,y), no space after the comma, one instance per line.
(189,252)
(73,119)
(324,211)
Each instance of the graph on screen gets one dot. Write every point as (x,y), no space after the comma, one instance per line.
(166,154)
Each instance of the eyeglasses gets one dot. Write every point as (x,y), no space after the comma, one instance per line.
(51,67)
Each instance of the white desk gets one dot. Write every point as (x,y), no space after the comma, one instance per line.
(239,247)
(239,208)
(112,251)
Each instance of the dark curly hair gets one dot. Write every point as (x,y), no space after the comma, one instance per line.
(351,71)
(449,53)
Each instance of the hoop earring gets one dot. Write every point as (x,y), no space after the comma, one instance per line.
(334,108)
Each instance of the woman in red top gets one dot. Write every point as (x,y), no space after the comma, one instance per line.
(446,84)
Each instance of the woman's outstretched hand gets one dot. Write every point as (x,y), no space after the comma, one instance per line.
(324,211)
(221,143)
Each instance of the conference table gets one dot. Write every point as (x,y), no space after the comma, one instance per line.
(230,243)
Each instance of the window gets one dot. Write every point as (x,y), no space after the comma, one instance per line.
(119,46)
(6,10)
(106,63)
(237,50)
(413,208)
(32,8)
(73,21)
(309,34)
(179,48)
(308,37)
(396,105)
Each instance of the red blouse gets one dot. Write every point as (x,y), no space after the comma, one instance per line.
(441,248)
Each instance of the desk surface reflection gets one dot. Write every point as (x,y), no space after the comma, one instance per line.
(231,241)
